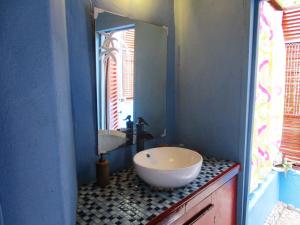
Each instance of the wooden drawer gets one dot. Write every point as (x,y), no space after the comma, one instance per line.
(219,208)
(174,218)
(191,213)
(202,213)
(193,207)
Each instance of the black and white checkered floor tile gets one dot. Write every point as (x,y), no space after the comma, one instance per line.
(129,201)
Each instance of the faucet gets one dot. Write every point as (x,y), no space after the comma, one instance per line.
(129,130)
(141,134)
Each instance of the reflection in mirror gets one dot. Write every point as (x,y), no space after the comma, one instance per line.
(131,68)
(117,63)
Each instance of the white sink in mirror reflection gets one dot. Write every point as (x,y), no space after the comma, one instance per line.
(168,167)
(109,140)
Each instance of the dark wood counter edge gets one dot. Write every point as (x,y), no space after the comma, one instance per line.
(203,191)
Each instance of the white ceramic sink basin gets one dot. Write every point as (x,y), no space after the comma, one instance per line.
(168,167)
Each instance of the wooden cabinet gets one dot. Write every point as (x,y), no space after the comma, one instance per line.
(213,204)
(225,203)
(202,215)
(217,209)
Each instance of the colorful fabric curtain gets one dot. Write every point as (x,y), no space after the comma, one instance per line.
(269,96)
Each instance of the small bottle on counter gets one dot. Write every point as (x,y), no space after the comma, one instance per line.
(102,171)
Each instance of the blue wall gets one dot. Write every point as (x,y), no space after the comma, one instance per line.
(263,200)
(213,40)
(1,216)
(37,164)
(211,89)
(83,87)
(82,73)
(290,188)
(284,187)
(35,116)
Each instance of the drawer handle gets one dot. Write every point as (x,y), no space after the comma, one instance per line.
(200,214)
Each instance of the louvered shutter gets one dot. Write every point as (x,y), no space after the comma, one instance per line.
(291,25)
(128,64)
(290,145)
(113,97)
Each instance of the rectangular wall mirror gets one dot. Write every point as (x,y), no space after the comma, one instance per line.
(131,68)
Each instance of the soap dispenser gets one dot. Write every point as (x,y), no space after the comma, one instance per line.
(102,171)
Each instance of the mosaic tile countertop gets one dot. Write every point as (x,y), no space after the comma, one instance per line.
(129,201)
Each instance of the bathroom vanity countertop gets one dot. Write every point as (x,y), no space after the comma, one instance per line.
(127,200)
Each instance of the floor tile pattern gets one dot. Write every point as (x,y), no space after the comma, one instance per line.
(283,214)
(127,200)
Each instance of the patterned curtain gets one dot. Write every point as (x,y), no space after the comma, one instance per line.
(269,96)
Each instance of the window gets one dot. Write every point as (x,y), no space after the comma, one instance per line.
(128,64)
(290,145)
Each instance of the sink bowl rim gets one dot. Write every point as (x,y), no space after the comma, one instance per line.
(174,169)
